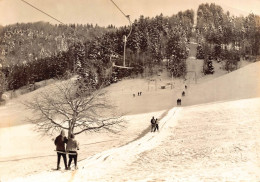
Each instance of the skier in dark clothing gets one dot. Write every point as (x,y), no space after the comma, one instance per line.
(178,102)
(152,124)
(60,148)
(156,125)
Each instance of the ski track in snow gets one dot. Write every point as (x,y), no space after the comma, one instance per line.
(219,142)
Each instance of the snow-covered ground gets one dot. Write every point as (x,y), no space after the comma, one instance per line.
(240,84)
(219,142)
(208,142)
(23,151)
(22,147)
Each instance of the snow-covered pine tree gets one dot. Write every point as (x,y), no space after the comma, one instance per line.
(208,67)
(200,52)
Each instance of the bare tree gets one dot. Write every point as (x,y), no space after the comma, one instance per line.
(67,107)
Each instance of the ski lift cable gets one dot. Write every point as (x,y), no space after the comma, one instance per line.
(125,37)
(42,12)
(130,28)
(127,17)
(119,8)
(52,17)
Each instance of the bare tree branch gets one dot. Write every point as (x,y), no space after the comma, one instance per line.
(67,107)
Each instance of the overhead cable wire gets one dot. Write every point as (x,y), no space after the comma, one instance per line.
(52,17)
(118,8)
(42,12)
(125,37)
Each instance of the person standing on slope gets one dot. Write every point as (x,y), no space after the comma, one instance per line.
(152,124)
(72,148)
(156,125)
(60,142)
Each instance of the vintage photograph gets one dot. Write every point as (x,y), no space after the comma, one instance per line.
(129,90)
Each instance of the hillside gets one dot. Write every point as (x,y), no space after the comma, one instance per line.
(34,52)
(240,84)
(215,142)
(26,42)
(213,135)
(207,142)
(177,133)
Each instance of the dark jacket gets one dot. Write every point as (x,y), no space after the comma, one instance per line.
(152,121)
(60,143)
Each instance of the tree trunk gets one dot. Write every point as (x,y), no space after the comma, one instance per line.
(69,132)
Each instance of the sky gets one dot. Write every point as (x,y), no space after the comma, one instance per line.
(104,12)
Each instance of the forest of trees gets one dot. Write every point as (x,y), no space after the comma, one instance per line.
(33,52)
(224,37)
(26,42)
(90,53)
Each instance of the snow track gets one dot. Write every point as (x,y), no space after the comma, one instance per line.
(108,161)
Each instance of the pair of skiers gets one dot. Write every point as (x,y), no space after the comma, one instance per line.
(71,149)
(154,124)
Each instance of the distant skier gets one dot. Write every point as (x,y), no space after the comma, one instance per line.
(72,148)
(183,94)
(178,102)
(186,87)
(156,125)
(152,124)
(60,142)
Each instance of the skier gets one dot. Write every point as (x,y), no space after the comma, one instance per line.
(60,148)
(152,124)
(72,148)
(156,125)
(183,93)
(178,102)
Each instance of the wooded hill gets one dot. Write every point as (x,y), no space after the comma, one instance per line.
(37,51)
(225,37)
(26,42)
(87,55)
